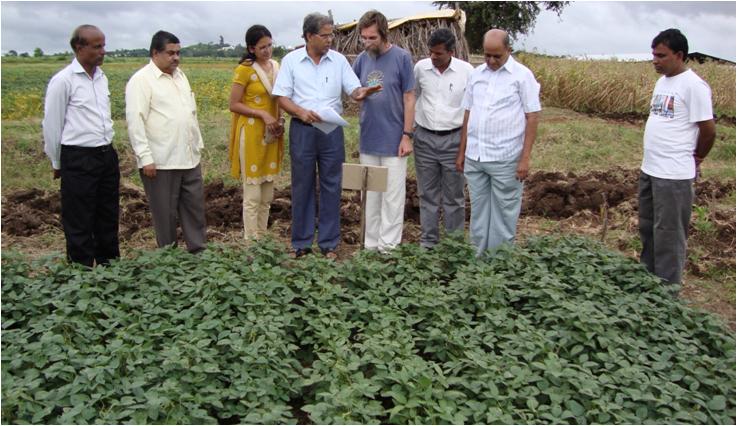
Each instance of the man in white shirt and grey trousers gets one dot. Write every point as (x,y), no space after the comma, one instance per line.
(679,133)
(440,82)
(164,132)
(78,136)
(502,103)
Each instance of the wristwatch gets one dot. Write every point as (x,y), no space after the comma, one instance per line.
(411,135)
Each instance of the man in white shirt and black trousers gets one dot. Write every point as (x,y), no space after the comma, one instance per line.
(78,136)
(502,103)
(679,133)
(163,129)
(440,82)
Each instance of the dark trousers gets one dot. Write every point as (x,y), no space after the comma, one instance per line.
(664,215)
(177,194)
(90,209)
(310,148)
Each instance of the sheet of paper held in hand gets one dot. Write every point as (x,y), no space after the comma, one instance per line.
(330,120)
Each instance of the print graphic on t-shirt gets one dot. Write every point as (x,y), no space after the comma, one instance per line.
(663,105)
(375,78)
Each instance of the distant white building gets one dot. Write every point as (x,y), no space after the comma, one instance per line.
(637,57)
(624,57)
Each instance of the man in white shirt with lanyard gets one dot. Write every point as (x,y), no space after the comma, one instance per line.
(164,132)
(440,82)
(502,103)
(78,136)
(679,133)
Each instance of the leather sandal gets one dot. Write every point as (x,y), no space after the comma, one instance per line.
(300,252)
(330,254)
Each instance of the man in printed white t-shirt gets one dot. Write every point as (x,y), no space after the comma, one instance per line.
(679,133)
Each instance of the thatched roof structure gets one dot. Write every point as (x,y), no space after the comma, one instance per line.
(410,33)
(703,57)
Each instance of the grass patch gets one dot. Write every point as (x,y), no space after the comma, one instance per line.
(572,142)
(567,141)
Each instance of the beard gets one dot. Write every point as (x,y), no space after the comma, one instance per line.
(373,52)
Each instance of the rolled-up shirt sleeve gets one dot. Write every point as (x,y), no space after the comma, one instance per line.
(530,93)
(137,107)
(55,107)
(467,102)
(350,79)
(284,84)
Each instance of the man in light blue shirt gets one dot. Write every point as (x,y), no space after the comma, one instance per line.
(311,78)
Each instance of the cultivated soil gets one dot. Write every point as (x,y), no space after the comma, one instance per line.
(601,204)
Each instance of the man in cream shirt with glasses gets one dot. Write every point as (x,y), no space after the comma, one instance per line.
(163,129)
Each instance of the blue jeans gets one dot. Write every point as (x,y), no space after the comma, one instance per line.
(311,150)
(664,215)
(496,200)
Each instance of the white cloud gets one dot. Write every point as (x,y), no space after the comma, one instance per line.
(606,28)
(129,25)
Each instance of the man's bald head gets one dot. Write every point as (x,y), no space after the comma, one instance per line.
(497,48)
(495,35)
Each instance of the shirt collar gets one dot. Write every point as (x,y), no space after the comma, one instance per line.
(453,63)
(77,68)
(158,73)
(303,55)
(452,66)
(510,66)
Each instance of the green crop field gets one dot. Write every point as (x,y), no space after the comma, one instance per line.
(558,328)
(554,331)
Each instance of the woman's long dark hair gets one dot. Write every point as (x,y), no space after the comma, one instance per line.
(253,35)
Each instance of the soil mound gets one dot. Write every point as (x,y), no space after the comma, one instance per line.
(30,212)
(557,195)
(547,194)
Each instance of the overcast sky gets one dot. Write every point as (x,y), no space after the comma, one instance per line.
(584,28)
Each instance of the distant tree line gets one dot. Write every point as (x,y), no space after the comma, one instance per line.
(210,50)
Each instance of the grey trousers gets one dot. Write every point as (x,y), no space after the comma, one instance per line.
(664,215)
(177,194)
(439,184)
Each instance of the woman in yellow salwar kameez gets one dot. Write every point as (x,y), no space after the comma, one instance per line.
(256,135)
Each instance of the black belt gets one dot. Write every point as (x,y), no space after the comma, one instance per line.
(102,148)
(440,132)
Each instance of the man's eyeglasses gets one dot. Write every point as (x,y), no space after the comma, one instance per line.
(327,36)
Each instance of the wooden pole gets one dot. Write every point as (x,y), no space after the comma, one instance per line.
(604,212)
(364,185)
